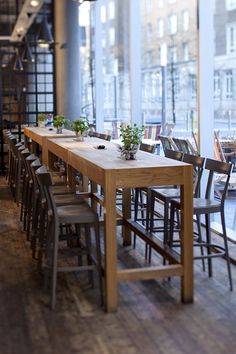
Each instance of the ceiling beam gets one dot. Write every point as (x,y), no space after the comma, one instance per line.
(24,20)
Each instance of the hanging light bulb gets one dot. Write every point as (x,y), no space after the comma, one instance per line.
(27,53)
(18,66)
(45,36)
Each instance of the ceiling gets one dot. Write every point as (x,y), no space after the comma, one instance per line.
(16,19)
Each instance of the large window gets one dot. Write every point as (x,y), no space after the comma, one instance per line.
(224,67)
(169,81)
(168,64)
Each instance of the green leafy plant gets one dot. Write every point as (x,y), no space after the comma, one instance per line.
(59,121)
(80,125)
(42,117)
(131,137)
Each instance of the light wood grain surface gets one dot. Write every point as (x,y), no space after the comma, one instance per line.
(40,136)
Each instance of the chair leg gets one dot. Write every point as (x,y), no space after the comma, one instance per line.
(200,241)
(172,217)
(226,249)
(54,267)
(78,233)
(141,203)
(88,248)
(208,239)
(166,222)
(99,259)
(135,212)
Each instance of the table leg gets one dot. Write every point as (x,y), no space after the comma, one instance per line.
(51,160)
(34,148)
(126,208)
(71,177)
(187,236)
(110,243)
(26,141)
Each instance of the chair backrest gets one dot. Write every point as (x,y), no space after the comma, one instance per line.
(29,159)
(182,145)
(100,136)
(45,182)
(198,166)
(167,143)
(34,166)
(167,129)
(224,168)
(147,148)
(218,150)
(152,131)
(172,154)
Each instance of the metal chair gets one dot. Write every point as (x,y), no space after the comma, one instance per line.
(206,206)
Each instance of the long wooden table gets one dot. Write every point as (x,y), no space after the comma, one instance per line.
(40,136)
(106,168)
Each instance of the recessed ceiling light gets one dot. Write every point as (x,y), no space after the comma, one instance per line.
(34,3)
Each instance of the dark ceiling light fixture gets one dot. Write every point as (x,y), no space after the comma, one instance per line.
(27,53)
(45,37)
(18,66)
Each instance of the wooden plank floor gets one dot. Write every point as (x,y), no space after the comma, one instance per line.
(150,319)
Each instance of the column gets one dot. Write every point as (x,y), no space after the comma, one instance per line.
(205,78)
(135,62)
(99,96)
(67,58)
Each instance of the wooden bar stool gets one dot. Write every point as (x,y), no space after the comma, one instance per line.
(59,216)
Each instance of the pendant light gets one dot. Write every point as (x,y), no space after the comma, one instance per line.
(18,66)
(27,53)
(44,36)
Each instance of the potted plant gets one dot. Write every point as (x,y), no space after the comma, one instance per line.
(58,122)
(42,118)
(80,126)
(131,137)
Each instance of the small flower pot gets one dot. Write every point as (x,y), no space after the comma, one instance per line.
(59,130)
(79,136)
(41,123)
(129,154)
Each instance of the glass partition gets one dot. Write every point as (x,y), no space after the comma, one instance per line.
(115,95)
(115,70)
(224,67)
(169,54)
(86,61)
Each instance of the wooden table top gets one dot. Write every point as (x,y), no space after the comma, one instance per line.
(47,132)
(147,170)
(110,157)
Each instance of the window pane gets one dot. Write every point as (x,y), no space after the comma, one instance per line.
(116,80)
(169,81)
(224,67)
